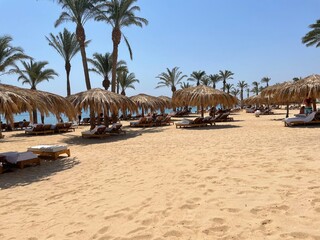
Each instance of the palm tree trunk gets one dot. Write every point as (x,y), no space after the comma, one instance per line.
(116,37)
(68,68)
(241,98)
(81,37)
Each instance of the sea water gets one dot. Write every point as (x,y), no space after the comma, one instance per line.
(51,119)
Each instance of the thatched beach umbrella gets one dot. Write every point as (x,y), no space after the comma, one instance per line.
(281,93)
(256,99)
(203,96)
(100,101)
(44,102)
(145,101)
(168,102)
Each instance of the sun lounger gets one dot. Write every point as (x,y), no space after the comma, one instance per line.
(115,129)
(53,151)
(309,119)
(97,132)
(21,159)
(40,129)
(143,122)
(187,123)
(223,117)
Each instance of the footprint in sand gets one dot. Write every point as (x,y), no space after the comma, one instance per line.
(215,230)
(172,233)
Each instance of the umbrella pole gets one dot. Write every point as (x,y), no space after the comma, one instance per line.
(202,111)
(314,104)
(287,110)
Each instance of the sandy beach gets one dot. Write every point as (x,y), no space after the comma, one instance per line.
(251,178)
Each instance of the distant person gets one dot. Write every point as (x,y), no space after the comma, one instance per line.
(79,117)
(308,105)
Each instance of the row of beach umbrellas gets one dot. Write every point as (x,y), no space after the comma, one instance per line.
(15,100)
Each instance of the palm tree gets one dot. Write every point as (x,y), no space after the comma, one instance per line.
(255,88)
(295,79)
(67,46)
(119,14)
(34,73)
(102,65)
(242,85)
(313,36)
(228,87)
(214,79)
(9,54)
(266,80)
(248,92)
(235,91)
(225,75)
(126,80)
(185,85)
(171,79)
(78,12)
(197,76)
(205,81)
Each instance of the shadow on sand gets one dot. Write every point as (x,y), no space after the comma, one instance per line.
(21,177)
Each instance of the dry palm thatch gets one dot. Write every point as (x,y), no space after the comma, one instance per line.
(256,99)
(145,102)
(168,101)
(203,96)
(100,101)
(309,87)
(44,102)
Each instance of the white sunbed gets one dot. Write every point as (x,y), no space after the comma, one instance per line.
(299,120)
(21,159)
(50,150)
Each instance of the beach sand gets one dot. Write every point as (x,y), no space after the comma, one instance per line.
(251,178)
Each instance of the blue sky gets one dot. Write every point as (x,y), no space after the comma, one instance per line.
(251,38)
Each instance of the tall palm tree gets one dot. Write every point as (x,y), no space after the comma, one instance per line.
(205,81)
(102,65)
(266,80)
(119,14)
(197,76)
(255,88)
(235,91)
(313,36)
(248,92)
(214,79)
(185,85)
(171,78)
(66,44)
(126,80)
(78,12)
(9,54)
(242,85)
(228,87)
(34,73)
(225,75)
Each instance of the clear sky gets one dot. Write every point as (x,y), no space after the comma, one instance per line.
(251,38)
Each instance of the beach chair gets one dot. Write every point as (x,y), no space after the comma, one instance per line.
(21,159)
(143,122)
(115,129)
(53,151)
(223,117)
(187,123)
(294,121)
(97,132)
(35,129)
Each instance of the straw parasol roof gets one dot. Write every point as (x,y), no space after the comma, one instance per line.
(167,100)
(12,102)
(203,96)
(309,87)
(256,99)
(100,100)
(26,100)
(145,101)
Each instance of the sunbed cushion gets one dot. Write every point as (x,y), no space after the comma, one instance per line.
(48,148)
(11,157)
